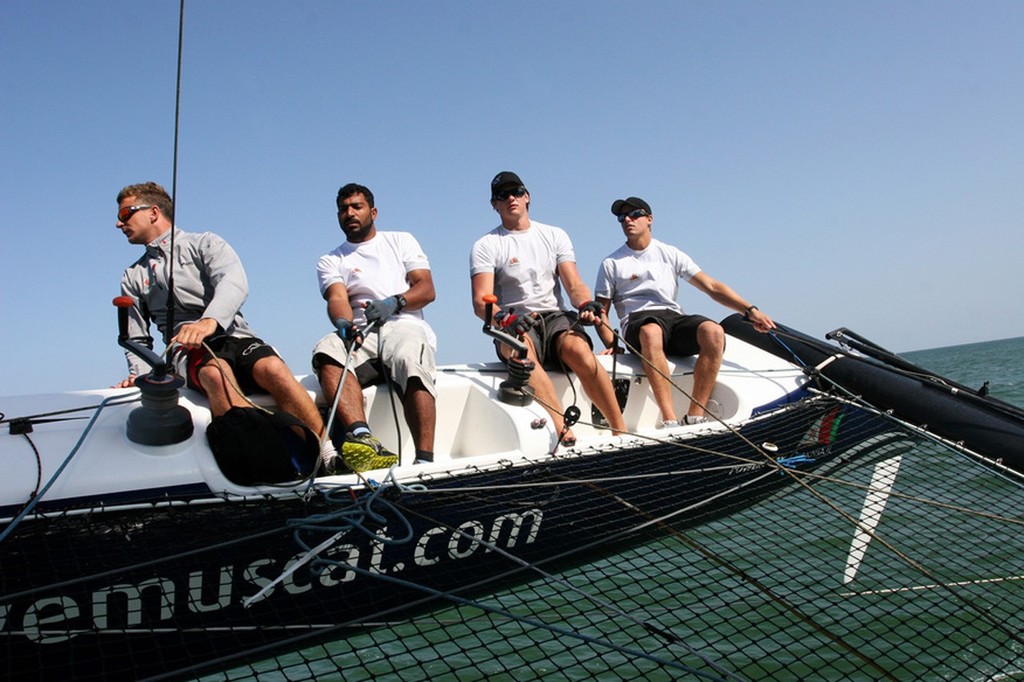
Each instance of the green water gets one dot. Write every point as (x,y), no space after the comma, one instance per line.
(1000,363)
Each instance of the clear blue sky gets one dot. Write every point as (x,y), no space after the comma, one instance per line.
(838,163)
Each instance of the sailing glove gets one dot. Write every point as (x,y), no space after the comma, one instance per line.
(380,310)
(349,333)
(516,325)
(594,307)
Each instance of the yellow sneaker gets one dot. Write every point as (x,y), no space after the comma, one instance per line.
(363,453)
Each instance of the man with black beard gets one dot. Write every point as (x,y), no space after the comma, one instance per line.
(376,285)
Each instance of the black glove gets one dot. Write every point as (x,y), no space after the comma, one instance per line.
(516,325)
(519,370)
(593,307)
(349,333)
(379,311)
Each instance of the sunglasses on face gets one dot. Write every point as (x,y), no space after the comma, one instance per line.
(505,194)
(634,214)
(125,214)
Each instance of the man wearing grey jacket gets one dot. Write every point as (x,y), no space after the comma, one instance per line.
(212,344)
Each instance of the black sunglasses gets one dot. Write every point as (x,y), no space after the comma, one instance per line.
(634,214)
(505,194)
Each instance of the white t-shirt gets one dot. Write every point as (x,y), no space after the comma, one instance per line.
(373,270)
(643,280)
(524,263)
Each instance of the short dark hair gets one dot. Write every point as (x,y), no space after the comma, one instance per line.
(150,193)
(352,188)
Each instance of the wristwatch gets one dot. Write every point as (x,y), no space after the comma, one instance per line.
(401,302)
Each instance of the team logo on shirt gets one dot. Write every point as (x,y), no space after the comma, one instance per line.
(514,262)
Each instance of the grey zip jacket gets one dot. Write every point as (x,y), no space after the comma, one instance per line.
(209,281)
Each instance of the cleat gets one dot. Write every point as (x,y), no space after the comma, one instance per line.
(364,453)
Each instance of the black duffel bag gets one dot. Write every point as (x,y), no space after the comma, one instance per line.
(254,446)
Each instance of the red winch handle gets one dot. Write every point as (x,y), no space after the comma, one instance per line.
(123,303)
(490,300)
(160,368)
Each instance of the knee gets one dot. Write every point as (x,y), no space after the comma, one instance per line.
(328,374)
(214,376)
(711,338)
(416,385)
(651,338)
(270,371)
(208,373)
(576,352)
(531,350)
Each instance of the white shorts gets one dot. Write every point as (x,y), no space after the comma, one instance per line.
(401,346)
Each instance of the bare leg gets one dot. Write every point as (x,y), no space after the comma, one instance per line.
(711,338)
(576,353)
(652,346)
(543,388)
(359,454)
(420,414)
(350,405)
(271,374)
(218,383)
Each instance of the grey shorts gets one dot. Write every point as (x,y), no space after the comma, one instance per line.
(400,347)
(545,335)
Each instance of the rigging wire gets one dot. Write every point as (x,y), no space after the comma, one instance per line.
(916,565)
(792,608)
(174,169)
(825,500)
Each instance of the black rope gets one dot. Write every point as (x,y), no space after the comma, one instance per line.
(38,417)
(39,476)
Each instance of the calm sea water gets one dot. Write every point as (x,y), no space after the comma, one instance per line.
(1000,363)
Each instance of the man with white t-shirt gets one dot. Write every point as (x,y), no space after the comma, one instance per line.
(641,278)
(525,264)
(376,285)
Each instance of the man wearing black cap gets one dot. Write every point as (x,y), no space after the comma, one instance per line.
(641,278)
(525,264)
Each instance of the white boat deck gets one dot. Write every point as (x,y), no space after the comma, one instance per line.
(471,423)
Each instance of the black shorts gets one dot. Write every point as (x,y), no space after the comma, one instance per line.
(678,331)
(239,352)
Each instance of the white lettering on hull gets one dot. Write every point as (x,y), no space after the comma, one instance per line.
(151,604)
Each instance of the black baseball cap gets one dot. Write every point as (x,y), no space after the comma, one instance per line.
(505,178)
(619,205)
